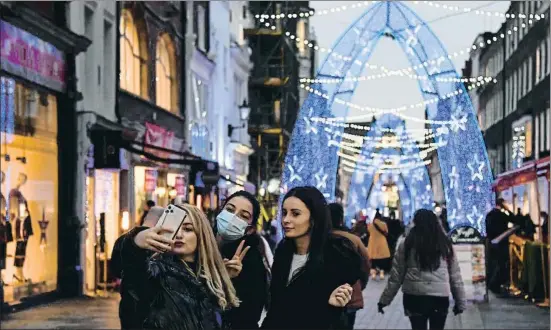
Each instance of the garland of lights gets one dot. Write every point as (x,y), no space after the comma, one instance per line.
(353,145)
(435,62)
(372,110)
(393,74)
(361,4)
(400,137)
(362,158)
(326,121)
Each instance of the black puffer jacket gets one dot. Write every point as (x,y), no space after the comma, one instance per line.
(303,303)
(165,294)
(251,285)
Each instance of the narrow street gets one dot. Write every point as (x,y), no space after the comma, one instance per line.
(102,313)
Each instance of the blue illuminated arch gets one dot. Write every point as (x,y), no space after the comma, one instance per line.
(311,157)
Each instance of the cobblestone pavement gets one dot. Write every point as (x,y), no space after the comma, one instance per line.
(102,313)
(499,313)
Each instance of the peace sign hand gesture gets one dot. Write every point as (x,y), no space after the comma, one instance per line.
(235,265)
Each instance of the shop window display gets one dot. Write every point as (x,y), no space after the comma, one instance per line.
(28,194)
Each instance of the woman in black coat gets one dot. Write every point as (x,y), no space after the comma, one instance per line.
(180,284)
(313,271)
(236,224)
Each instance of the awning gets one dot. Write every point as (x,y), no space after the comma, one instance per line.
(528,172)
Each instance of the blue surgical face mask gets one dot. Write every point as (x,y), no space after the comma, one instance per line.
(230,226)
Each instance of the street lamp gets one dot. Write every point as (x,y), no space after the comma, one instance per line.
(244,112)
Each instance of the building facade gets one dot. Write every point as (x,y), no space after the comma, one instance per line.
(274,95)
(39,223)
(514,113)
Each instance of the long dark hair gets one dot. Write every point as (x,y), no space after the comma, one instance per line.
(428,241)
(320,223)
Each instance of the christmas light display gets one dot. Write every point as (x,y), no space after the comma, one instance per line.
(312,160)
(411,35)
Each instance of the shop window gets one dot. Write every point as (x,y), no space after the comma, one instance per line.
(28,191)
(133,56)
(166,86)
(538,64)
(301,33)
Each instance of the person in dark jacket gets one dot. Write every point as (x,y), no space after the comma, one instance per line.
(181,283)
(357,301)
(235,224)
(497,222)
(148,205)
(127,303)
(313,270)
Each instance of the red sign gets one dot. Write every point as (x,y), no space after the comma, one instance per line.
(150,180)
(180,185)
(159,137)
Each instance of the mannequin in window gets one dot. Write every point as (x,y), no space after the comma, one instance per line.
(5,228)
(19,213)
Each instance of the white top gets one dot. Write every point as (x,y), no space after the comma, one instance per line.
(299,260)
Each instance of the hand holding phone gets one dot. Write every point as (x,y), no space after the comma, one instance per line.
(153,239)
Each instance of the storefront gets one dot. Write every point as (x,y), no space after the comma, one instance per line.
(526,188)
(36,87)
(107,217)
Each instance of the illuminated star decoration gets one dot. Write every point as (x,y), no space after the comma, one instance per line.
(294,175)
(476,167)
(321,179)
(453,217)
(418,175)
(309,127)
(458,123)
(475,217)
(454,177)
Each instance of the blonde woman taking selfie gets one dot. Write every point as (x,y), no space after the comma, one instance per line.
(181,283)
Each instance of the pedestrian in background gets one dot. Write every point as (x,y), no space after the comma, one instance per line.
(377,248)
(313,270)
(235,224)
(181,283)
(148,205)
(357,301)
(426,268)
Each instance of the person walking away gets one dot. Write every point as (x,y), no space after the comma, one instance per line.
(181,283)
(426,268)
(377,249)
(497,222)
(235,224)
(148,205)
(313,270)
(357,301)
(395,230)
(128,303)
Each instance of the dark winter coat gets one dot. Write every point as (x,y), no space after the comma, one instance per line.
(165,295)
(251,285)
(303,303)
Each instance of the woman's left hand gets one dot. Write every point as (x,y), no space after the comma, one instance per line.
(235,265)
(341,296)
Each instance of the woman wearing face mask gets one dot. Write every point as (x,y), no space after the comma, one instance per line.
(178,284)
(313,270)
(236,225)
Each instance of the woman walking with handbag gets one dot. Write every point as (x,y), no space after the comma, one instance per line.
(377,249)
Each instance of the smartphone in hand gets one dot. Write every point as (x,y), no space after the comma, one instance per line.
(172,219)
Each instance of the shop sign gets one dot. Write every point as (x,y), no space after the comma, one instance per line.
(27,56)
(469,249)
(159,137)
(465,235)
(180,185)
(150,180)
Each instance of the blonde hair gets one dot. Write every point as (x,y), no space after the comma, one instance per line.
(209,260)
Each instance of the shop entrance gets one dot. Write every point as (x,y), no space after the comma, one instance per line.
(103,218)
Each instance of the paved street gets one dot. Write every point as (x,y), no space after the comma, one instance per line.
(102,313)
(498,314)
